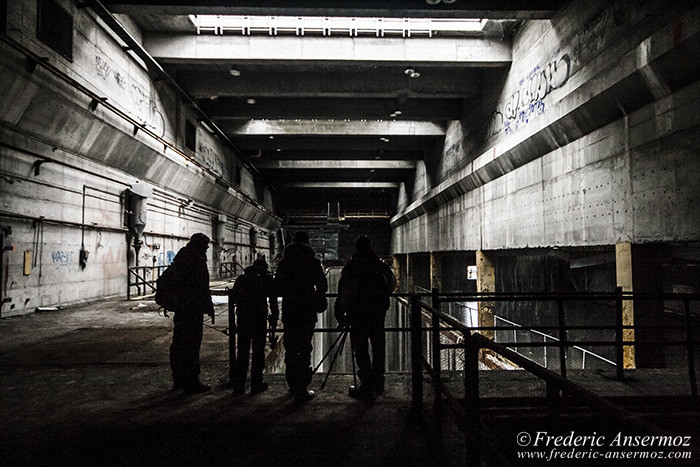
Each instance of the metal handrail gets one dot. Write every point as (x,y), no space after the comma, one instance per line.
(547,336)
(140,282)
(557,385)
(228,269)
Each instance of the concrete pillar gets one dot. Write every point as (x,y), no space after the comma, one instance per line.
(486,282)
(435,271)
(411,283)
(396,268)
(638,269)
(623,271)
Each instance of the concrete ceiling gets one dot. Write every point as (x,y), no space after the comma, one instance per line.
(321,128)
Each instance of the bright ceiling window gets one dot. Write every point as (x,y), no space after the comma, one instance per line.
(335,26)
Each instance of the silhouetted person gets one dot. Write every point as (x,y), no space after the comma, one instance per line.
(250,294)
(299,280)
(194,303)
(363,298)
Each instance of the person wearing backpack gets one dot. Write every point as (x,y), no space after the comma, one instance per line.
(363,299)
(193,302)
(250,294)
(302,284)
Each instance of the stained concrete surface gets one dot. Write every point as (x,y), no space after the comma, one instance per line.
(90,385)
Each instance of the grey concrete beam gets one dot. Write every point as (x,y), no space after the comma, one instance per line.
(497,9)
(594,103)
(388,82)
(334,164)
(463,51)
(344,154)
(340,185)
(334,128)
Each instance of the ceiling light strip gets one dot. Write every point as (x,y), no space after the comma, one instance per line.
(328,25)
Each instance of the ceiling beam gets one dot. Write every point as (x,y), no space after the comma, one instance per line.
(223,109)
(343,154)
(385,128)
(368,82)
(334,164)
(464,50)
(366,147)
(340,185)
(496,9)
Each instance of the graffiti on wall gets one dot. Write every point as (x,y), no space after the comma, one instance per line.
(452,154)
(144,102)
(147,109)
(106,72)
(62,259)
(596,31)
(166,257)
(528,100)
(208,157)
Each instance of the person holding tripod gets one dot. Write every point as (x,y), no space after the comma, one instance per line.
(363,299)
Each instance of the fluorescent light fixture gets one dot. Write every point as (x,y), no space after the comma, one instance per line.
(334,25)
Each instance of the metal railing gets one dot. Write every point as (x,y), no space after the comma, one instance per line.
(143,278)
(557,386)
(544,336)
(425,317)
(230,269)
(428,323)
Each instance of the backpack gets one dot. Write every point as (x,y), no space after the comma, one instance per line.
(167,288)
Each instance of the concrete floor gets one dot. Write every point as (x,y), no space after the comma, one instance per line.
(90,384)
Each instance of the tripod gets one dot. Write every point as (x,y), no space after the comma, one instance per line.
(342,337)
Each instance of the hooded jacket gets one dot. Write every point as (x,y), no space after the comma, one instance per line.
(299,276)
(194,293)
(364,287)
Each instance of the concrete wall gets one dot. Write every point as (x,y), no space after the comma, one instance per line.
(591,142)
(75,199)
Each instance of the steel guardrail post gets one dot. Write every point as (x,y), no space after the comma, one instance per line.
(128,284)
(471,400)
(416,356)
(437,351)
(689,349)
(563,339)
(231,337)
